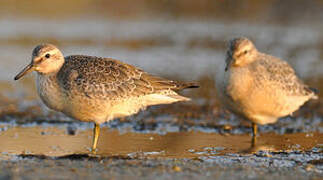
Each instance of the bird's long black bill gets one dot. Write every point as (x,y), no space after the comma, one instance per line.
(25,71)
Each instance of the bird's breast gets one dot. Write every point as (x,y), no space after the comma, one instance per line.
(237,83)
(49,91)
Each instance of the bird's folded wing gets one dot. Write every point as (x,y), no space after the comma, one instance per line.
(110,79)
(282,75)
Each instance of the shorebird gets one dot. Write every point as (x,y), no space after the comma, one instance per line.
(96,89)
(259,87)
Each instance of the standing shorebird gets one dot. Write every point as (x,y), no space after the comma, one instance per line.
(260,87)
(94,89)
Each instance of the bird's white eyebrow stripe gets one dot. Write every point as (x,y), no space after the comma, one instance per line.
(52,51)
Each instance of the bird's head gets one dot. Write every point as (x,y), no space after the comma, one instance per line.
(46,59)
(241,51)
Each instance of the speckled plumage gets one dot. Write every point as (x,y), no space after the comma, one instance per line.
(260,87)
(109,79)
(95,89)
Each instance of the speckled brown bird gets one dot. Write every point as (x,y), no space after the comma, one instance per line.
(259,87)
(95,89)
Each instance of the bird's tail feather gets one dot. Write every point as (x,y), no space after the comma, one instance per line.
(186,85)
(315,91)
(154,99)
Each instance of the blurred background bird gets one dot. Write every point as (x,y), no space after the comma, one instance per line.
(260,87)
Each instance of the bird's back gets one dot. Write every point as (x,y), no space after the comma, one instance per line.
(110,79)
(112,88)
(276,90)
(279,76)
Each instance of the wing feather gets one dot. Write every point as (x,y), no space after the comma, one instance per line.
(283,76)
(110,79)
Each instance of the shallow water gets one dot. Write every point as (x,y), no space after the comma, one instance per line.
(56,142)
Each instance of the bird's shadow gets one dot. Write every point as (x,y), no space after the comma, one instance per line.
(77,156)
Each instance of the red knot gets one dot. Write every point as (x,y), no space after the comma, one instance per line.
(95,89)
(259,87)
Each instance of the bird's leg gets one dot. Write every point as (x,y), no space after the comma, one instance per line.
(254,130)
(96,133)
(253,141)
(254,134)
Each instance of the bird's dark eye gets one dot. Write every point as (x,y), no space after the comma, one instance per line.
(245,52)
(47,55)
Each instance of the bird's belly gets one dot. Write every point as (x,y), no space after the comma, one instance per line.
(98,110)
(237,91)
(254,109)
(245,98)
(88,110)
(265,106)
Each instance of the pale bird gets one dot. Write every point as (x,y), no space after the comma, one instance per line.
(259,87)
(95,89)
